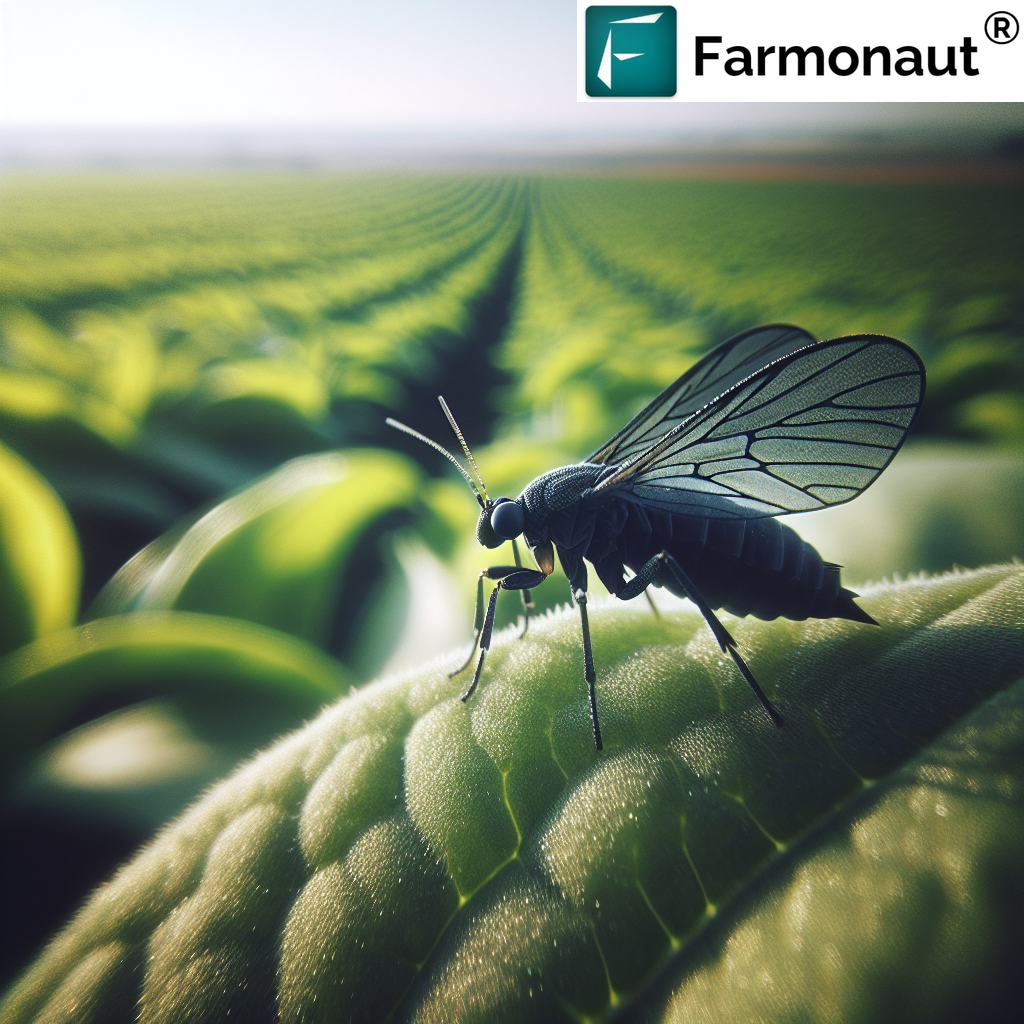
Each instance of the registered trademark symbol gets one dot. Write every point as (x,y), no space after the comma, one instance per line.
(1001,27)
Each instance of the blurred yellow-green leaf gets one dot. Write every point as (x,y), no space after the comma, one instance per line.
(45,684)
(276,552)
(40,564)
(412,857)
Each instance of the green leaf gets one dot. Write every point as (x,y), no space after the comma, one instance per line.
(276,552)
(40,564)
(44,685)
(413,857)
(904,907)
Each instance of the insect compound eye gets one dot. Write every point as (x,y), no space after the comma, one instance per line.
(507,519)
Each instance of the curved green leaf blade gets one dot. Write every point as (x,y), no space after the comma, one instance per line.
(43,685)
(276,552)
(40,564)
(413,857)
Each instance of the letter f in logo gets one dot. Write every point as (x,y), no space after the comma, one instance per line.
(604,72)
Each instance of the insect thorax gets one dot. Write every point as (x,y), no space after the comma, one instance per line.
(559,488)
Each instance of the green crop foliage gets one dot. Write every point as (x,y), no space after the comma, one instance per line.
(626,283)
(39,560)
(223,305)
(410,857)
(244,320)
(201,508)
(44,684)
(275,553)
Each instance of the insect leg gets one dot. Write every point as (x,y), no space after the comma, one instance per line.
(726,642)
(646,575)
(509,578)
(478,624)
(647,594)
(643,579)
(772,711)
(528,606)
(580,596)
(485,640)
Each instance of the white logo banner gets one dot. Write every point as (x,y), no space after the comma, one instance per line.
(801,51)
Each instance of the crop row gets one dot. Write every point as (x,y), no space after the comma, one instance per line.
(618,268)
(115,236)
(345,311)
(166,339)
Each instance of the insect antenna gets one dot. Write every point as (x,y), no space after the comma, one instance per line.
(444,451)
(465,447)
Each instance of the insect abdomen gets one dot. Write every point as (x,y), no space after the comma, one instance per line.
(746,566)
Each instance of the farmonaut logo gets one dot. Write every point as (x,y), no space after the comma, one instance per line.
(631,51)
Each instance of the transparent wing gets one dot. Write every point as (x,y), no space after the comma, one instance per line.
(719,370)
(814,428)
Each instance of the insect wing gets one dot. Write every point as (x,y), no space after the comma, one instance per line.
(728,364)
(813,429)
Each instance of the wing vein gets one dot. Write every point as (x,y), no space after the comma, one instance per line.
(807,440)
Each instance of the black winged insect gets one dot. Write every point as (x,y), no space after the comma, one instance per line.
(685,494)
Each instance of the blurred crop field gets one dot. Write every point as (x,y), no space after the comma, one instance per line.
(206,528)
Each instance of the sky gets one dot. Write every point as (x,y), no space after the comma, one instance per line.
(464,66)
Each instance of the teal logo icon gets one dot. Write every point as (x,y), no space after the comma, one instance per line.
(631,51)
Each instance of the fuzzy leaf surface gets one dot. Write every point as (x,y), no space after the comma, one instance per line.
(410,857)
